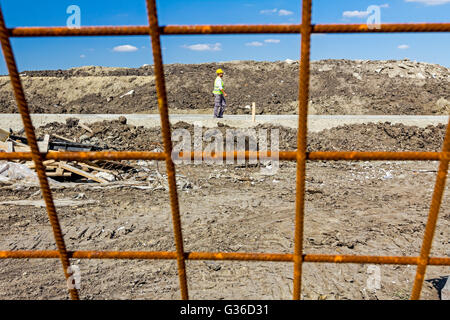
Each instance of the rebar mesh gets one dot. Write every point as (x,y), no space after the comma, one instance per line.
(306,28)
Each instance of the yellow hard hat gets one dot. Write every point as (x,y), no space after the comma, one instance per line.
(219,71)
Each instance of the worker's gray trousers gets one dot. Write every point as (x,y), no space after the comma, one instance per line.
(219,105)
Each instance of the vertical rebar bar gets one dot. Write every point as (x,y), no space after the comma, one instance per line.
(32,142)
(166,134)
(303,97)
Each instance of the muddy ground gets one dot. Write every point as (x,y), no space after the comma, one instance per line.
(337,87)
(364,208)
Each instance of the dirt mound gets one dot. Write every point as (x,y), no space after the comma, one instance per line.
(379,137)
(117,135)
(337,87)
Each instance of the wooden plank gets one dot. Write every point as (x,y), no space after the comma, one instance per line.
(10,146)
(63,138)
(85,127)
(253,111)
(94,166)
(85,174)
(3,146)
(49,164)
(43,145)
(4,135)
(57,174)
(21,147)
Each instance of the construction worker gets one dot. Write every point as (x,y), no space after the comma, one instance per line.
(219,95)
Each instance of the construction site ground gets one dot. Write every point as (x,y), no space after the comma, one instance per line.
(363,208)
(352,208)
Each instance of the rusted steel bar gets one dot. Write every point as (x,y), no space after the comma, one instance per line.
(430,228)
(384,28)
(230,29)
(80,156)
(36,156)
(221,256)
(377,156)
(317,258)
(321,155)
(296,28)
(167,139)
(21,32)
(303,97)
(279,155)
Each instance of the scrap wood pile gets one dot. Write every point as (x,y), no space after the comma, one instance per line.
(101,171)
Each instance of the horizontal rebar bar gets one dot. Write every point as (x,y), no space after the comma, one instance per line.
(282,155)
(224,29)
(236,256)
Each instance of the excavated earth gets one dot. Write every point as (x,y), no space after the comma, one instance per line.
(337,87)
(352,208)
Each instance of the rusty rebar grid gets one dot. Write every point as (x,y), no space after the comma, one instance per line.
(300,155)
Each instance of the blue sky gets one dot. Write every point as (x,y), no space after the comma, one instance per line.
(63,53)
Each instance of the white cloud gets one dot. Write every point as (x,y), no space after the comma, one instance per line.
(283,12)
(272,41)
(83,56)
(355,14)
(125,48)
(361,14)
(430,2)
(204,47)
(254,44)
(403,47)
(268,11)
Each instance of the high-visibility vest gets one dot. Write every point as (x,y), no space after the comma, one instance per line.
(218,85)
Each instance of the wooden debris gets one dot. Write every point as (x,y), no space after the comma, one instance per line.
(80,172)
(62,169)
(4,135)
(10,146)
(43,145)
(63,138)
(85,127)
